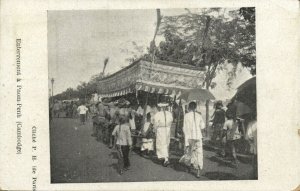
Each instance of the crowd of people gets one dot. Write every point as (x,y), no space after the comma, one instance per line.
(147,130)
(235,133)
(127,129)
(59,109)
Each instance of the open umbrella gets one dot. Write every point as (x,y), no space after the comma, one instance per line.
(246,93)
(197,94)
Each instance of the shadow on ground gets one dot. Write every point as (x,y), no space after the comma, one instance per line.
(220,176)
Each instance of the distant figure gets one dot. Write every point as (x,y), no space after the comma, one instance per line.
(218,121)
(64,108)
(123,143)
(74,110)
(232,132)
(82,109)
(94,113)
(50,112)
(162,125)
(56,109)
(192,126)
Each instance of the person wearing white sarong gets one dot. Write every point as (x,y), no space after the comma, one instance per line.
(192,125)
(162,125)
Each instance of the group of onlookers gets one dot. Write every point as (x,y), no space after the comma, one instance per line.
(235,133)
(63,109)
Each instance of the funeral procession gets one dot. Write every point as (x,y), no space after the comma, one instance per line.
(152,95)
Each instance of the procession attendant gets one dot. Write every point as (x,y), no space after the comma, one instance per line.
(94,112)
(82,109)
(137,141)
(231,132)
(147,132)
(74,110)
(218,121)
(123,111)
(123,143)
(131,120)
(50,111)
(64,107)
(140,110)
(192,126)
(101,121)
(56,109)
(115,120)
(153,110)
(162,125)
(114,110)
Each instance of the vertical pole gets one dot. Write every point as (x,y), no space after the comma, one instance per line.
(145,107)
(157,98)
(178,118)
(207,112)
(178,123)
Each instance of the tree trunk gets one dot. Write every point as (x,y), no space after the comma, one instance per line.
(207,113)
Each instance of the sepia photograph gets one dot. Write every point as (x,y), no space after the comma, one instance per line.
(145,95)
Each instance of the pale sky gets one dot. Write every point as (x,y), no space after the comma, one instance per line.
(79,41)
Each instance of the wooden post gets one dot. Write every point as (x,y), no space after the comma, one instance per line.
(180,145)
(157,98)
(179,116)
(145,107)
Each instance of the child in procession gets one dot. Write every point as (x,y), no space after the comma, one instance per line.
(123,143)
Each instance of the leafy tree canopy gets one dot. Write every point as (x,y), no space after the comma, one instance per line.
(210,38)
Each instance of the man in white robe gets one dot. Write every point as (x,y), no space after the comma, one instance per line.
(192,126)
(162,125)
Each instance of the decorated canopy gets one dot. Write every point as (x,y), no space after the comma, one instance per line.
(160,77)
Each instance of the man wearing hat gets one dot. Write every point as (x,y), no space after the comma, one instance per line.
(162,125)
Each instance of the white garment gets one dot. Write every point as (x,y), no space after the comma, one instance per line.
(140,111)
(153,111)
(232,129)
(192,126)
(148,109)
(162,126)
(82,109)
(252,136)
(123,111)
(132,124)
(122,134)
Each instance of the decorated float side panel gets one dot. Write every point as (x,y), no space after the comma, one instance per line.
(151,77)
